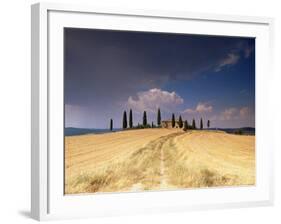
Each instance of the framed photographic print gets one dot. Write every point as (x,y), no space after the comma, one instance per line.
(148,111)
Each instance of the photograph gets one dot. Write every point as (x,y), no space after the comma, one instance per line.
(151,111)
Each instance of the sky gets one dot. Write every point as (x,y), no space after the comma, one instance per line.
(107,72)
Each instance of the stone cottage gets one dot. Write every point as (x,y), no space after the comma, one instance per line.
(168,124)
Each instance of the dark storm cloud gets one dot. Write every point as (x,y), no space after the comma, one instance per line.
(116,64)
(103,69)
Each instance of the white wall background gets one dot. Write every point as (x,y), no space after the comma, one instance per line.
(15,110)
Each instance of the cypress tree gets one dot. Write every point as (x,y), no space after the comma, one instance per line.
(144,119)
(180,122)
(185,125)
(131,119)
(152,125)
(201,124)
(111,124)
(173,121)
(208,124)
(158,117)
(125,124)
(193,124)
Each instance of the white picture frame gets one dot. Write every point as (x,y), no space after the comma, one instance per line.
(47,198)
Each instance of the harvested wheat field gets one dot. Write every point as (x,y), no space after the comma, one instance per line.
(154,159)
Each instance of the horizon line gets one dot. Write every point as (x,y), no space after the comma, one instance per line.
(156,127)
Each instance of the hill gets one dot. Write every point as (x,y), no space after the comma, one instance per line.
(153,159)
(243,130)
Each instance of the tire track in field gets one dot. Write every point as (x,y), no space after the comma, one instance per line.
(159,145)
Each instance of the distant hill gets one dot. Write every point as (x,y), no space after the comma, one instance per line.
(70,131)
(244,130)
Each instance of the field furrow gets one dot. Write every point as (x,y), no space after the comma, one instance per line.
(155,159)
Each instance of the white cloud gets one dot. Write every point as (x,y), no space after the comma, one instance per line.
(244,112)
(229,114)
(203,107)
(234,113)
(200,108)
(189,111)
(245,49)
(154,98)
(230,59)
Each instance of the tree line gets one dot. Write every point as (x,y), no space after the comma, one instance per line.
(144,124)
(182,124)
(185,125)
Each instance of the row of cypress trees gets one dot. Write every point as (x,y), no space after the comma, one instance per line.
(181,123)
(144,120)
(185,124)
(145,124)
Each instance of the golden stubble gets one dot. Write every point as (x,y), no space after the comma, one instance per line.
(157,159)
